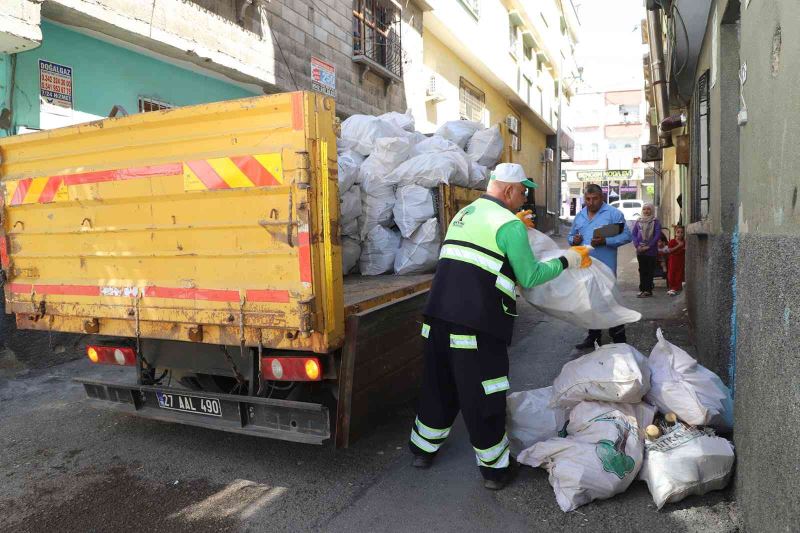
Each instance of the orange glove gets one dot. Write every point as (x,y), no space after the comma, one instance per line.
(578,257)
(527,218)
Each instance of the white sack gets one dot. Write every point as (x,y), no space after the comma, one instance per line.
(376,170)
(686,461)
(612,373)
(378,251)
(419,253)
(349,163)
(351,229)
(404,121)
(486,146)
(478,176)
(459,131)
(430,169)
(349,205)
(376,211)
(529,418)
(351,251)
(585,297)
(433,145)
(600,456)
(686,388)
(413,206)
(361,131)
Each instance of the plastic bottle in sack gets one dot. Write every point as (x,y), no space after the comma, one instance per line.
(652,432)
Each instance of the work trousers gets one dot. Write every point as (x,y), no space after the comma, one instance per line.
(647,268)
(464,371)
(617,334)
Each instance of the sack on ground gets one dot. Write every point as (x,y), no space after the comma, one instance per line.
(585,297)
(681,385)
(419,253)
(351,251)
(362,131)
(686,461)
(349,162)
(404,121)
(430,169)
(599,458)
(530,419)
(486,146)
(611,373)
(413,206)
(378,251)
(349,205)
(459,131)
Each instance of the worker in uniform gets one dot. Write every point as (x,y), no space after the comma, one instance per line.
(469,318)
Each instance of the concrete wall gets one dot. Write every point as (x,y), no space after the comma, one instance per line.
(767,293)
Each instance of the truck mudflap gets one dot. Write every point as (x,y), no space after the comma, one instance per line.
(261,417)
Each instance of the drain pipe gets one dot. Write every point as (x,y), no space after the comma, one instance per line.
(657,69)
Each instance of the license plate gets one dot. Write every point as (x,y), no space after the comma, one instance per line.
(189,404)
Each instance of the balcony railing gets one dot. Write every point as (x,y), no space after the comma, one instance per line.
(379,47)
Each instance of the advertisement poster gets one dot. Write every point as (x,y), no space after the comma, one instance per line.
(55,85)
(323,77)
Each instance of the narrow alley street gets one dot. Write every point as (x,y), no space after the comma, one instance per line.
(69,467)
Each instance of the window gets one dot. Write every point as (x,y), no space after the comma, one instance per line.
(513,37)
(700,148)
(377,36)
(472,101)
(528,52)
(528,91)
(629,114)
(148,104)
(473,6)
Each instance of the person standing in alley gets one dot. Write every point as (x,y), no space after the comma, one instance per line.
(646,232)
(469,319)
(595,214)
(676,262)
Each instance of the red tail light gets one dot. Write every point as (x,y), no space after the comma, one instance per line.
(111,355)
(291,368)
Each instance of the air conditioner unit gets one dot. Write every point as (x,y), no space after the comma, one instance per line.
(516,145)
(512,123)
(547,155)
(433,93)
(651,152)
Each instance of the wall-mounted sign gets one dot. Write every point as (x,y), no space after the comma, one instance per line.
(323,77)
(604,175)
(55,84)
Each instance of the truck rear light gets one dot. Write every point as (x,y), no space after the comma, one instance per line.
(291,368)
(111,355)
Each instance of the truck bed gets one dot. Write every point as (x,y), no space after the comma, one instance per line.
(365,292)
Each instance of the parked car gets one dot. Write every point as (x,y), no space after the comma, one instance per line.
(632,209)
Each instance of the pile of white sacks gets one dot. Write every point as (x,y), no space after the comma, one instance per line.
(588,429)
(387,173)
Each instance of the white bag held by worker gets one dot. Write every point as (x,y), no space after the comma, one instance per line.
(361,131)
(683,386)
(611,373)
(350,205)
(686,461)
(530,419)
(351,252)
(413,206)
(585,297)
(600,456)
(459,131)
(404,121)
(419,253)
(378,251)
(349,162)
(486,146)
(430,169)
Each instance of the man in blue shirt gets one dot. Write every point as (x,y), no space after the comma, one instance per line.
(595,214)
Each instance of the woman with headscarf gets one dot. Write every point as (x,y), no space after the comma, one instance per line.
(645,238)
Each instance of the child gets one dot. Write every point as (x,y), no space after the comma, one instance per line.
(676,262)
(663,252)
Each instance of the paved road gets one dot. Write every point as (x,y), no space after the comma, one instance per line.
(66,466)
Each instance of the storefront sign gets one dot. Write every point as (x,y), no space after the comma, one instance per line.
(55,84)
(323,77)
(604,175)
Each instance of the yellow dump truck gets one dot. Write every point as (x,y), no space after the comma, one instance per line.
(200,246)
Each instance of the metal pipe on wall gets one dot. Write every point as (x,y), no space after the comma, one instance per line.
(657,62)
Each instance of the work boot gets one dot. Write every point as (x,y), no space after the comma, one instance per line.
(422,461)
(508,477)
(588,343)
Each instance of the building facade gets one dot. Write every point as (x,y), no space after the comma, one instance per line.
(608,127)
(728,175)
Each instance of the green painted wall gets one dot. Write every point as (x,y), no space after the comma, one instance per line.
(105,75)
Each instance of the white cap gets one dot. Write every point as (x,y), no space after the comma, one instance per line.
(512,173)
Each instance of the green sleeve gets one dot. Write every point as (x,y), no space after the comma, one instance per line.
(512,238)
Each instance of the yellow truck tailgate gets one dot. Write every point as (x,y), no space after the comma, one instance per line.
(214,223)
